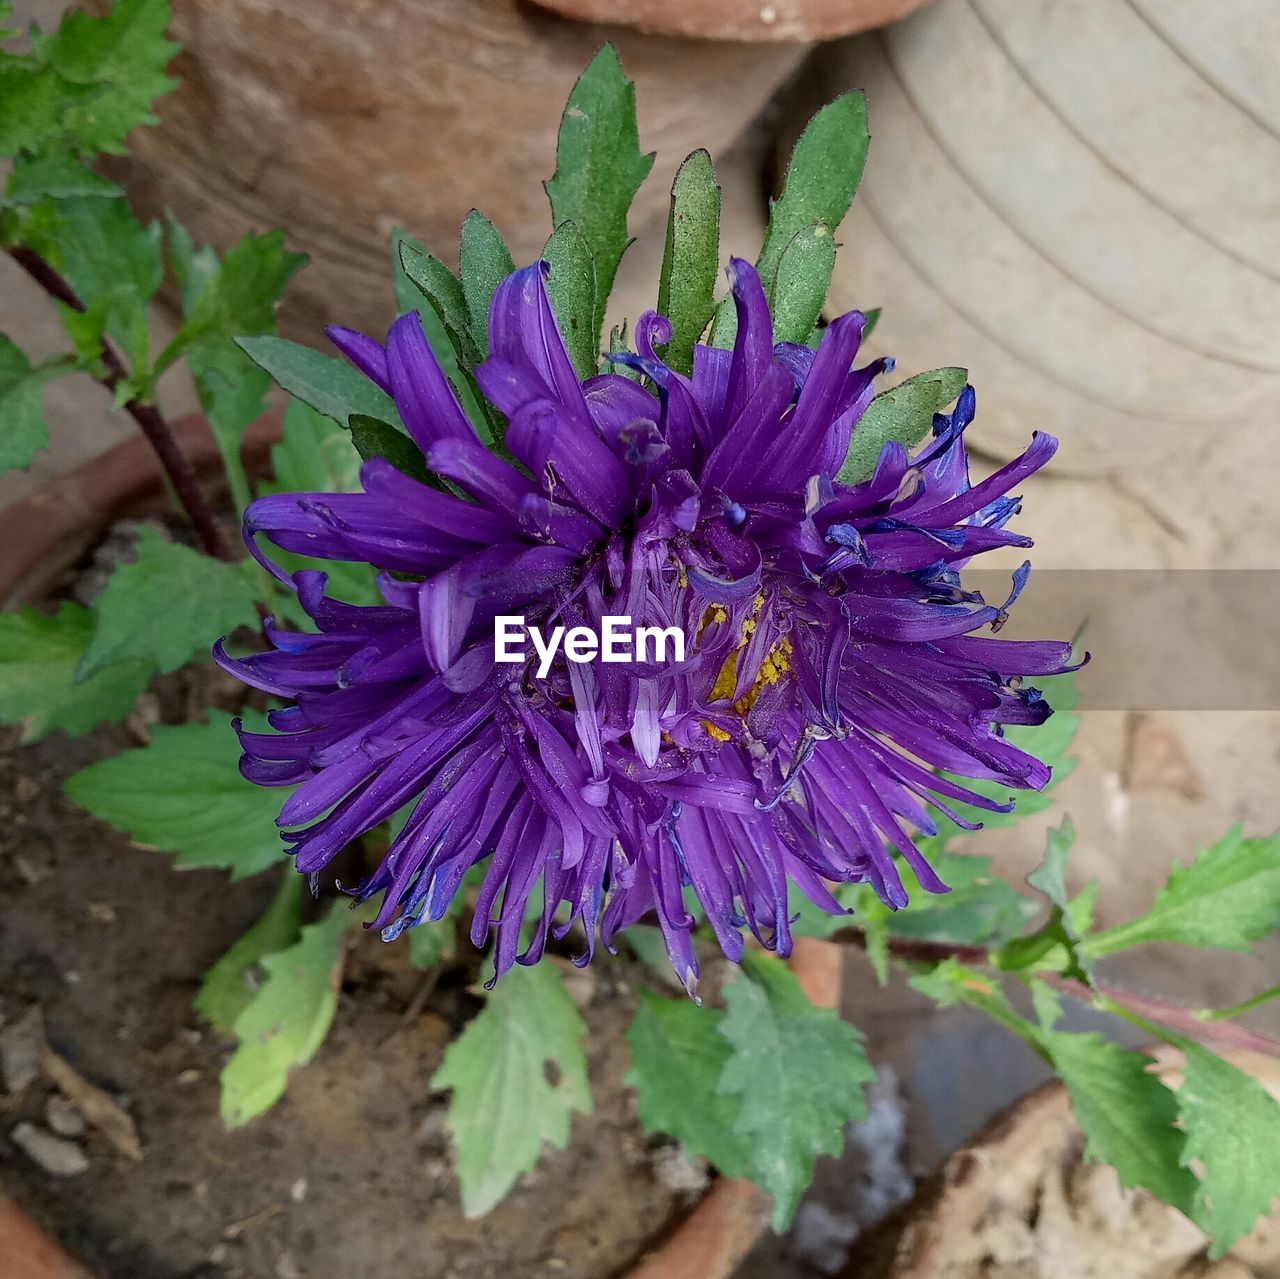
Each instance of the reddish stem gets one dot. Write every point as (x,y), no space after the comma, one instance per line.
(147,416)
(1175,1016)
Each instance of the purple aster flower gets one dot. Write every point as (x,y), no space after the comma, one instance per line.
(832,671)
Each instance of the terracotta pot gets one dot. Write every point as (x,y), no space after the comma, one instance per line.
(1024,1172)
(1089,288)
(44,533)
(341,119)
(740,19)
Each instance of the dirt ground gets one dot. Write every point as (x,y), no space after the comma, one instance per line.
(350,1173)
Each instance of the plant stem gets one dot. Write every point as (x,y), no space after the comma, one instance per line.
(1165,1013)
(149,419)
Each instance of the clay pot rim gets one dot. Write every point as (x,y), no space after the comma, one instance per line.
(51,523)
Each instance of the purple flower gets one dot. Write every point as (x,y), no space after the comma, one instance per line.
(832,666)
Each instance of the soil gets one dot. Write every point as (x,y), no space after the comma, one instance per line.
(351,1172)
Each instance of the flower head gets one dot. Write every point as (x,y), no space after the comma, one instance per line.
(832,669)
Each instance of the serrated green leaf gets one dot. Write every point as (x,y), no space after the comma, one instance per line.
(227,988)
(1127,1114)
(803,277)
(903,415)
(518,1072)
(34,100)
(485,263)
(124,54)
(571,289)
(798,1073)
(184,794)
(167,605)
(39,654)
(677,1059)
(1232,1126)
(287,1019)
(23,432)
(1228,898)
(192,267)
(686,289)
(53,175)
(329,385)
(824,172)
(599,169)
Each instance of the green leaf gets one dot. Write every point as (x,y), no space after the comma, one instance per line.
(56,175)
(1228,898)
(39,654)
(192,267)
(287,1019)
(23,432)
(113,263)
(980,909)
(518,1072)
(903,414)
(228,988)
(691,258)
(1232,1126)
(1057,944)
(184,794)
(804,275)
(419,277)
(375,438)
(677,1058)
(167,605)
(798,1073)
(1127,1114)
(825,169)
(125,54)
(330,386)
(599,169)
(485,263)
(620,344)
(571,288)
(951,983)
(34,99)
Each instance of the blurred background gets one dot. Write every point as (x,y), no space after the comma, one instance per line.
(1078,201)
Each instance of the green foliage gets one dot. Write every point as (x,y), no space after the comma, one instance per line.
(903,414)
(798,1073)
(518,1072)
(23,432)
(286,1020)
(1228,898)
(686,289)
(184,794)
(1127,1113)
(328,385)
(824,172)
(951,983)
(375,438)
(485,263)
(227,989)
(1232,1126)
(84,87)
(801,283)
(678,1055)
(166,606)
(39,656)
(980,909)
(599,169)
(122,57)
(56,175)
(571,288)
